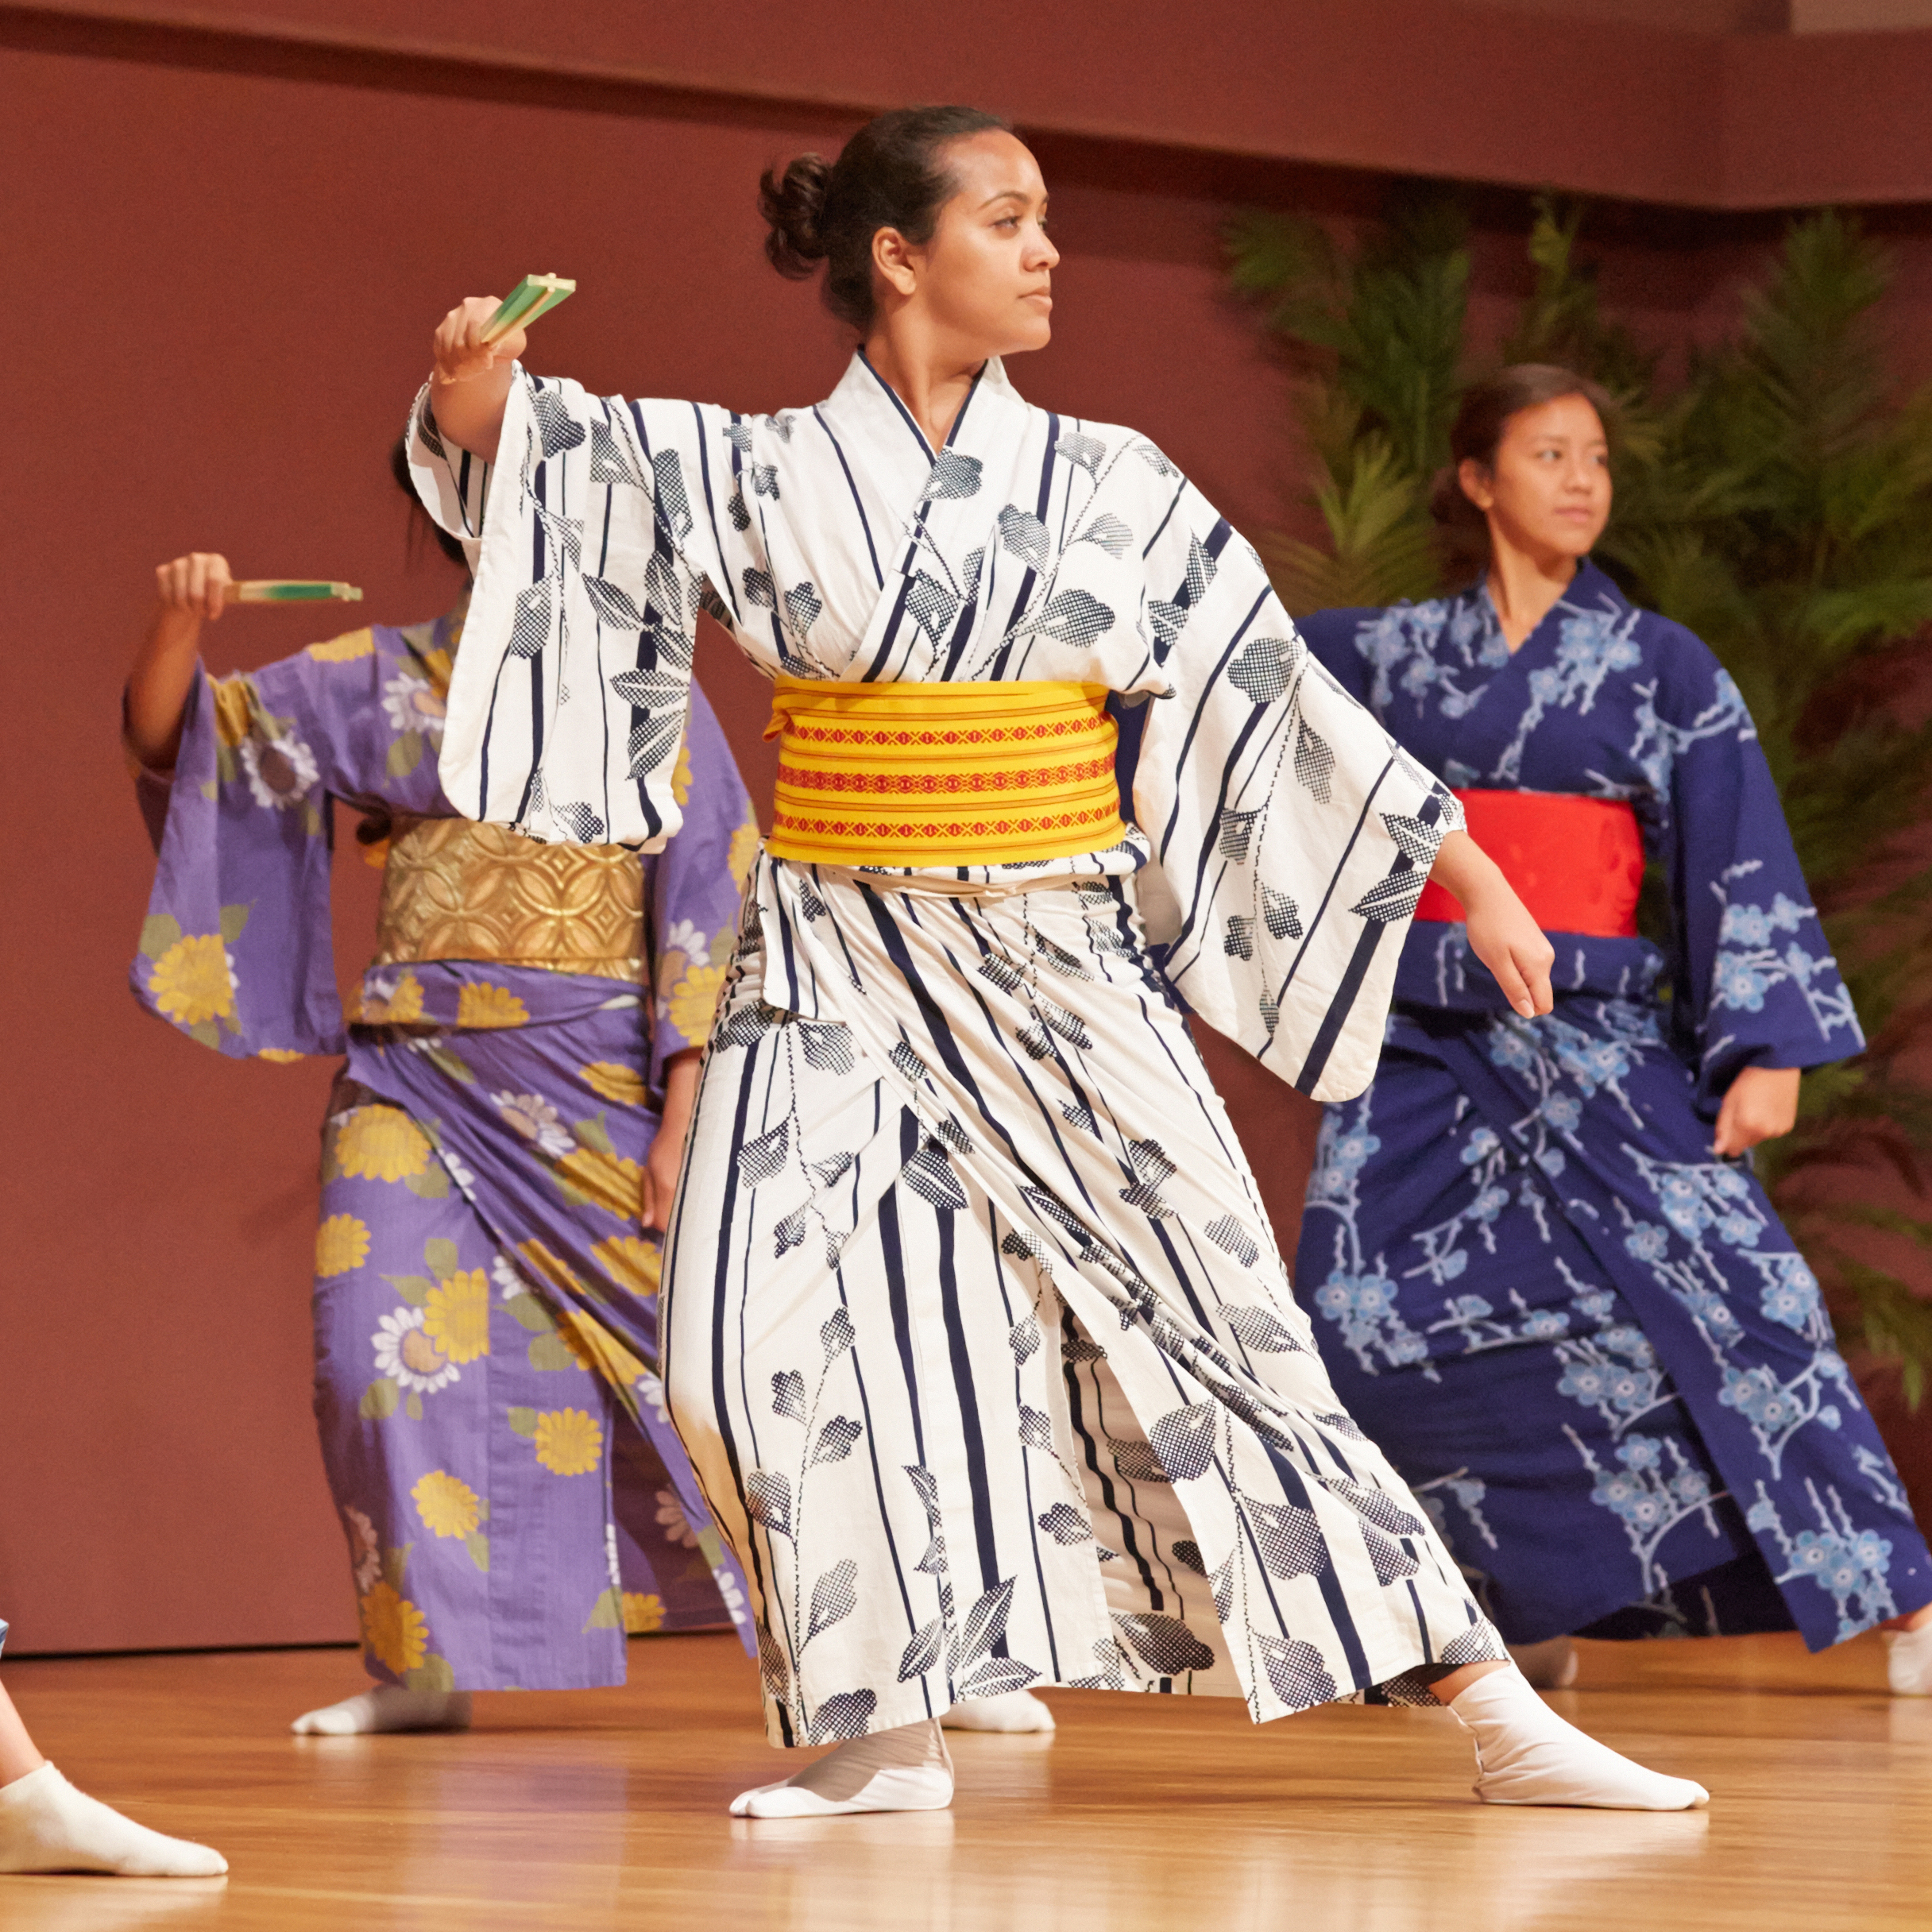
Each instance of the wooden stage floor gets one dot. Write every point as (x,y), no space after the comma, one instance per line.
(606,1809)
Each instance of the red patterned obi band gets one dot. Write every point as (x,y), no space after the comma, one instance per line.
(946,774)
(1577,863)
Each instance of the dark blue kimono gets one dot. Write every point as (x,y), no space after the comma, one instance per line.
(1586,1342)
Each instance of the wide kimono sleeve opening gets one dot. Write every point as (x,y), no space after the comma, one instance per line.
(236,949)
(1292,833)
(1754,981)
(568,706)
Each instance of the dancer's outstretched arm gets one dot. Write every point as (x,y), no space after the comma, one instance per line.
(193,590)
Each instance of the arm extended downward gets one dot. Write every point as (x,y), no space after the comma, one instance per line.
(1501,933)
(471,382)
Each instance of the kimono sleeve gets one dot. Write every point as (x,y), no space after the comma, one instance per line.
(1292,835)
(1332,635)
(568,705)
(1756,984)
(697,888)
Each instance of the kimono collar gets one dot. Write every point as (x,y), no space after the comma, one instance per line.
(864,410)
(1590,590)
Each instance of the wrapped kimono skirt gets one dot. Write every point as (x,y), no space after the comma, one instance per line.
(976,1333)
(510,1516)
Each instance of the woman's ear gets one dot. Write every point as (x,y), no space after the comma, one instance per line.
(892,260)
(1478,485)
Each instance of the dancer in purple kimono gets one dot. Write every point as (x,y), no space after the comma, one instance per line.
(499,1153)
(1544,1277)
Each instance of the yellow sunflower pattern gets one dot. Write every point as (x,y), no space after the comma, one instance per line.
(556,1271)
(456,1314)
(233,702)
(381,1143)
(569,1442)
(278,1055)
(345,649)
(341,1243)
(448,1506)
(681,775)
(610,1080)
(743,850)
(688,990)
(394,1630)
(190,982)
(635,1264)
(614,1181)
(596,1348)
(485,1004)
(642,1614)
(403,1005)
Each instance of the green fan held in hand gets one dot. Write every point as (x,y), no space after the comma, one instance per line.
(291,590)
(535,295)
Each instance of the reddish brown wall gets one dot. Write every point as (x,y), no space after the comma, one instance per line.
(248,267)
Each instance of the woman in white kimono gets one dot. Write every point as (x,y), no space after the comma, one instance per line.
(976,1331)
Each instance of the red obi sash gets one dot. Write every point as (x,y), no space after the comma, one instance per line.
(1577,863)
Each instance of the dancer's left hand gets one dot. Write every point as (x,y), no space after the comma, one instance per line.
(1761,1105)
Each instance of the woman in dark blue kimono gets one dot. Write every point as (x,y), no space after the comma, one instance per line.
(1543,1281)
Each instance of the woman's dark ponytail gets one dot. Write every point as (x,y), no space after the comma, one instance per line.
(892,174)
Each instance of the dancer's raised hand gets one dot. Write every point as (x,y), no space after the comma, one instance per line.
(472,378)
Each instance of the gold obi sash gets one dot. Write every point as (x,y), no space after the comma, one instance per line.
(948,775)
(454,890)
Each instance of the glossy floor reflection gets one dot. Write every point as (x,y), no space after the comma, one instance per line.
(597,1809)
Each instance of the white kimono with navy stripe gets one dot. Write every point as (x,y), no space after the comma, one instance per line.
(975,1328)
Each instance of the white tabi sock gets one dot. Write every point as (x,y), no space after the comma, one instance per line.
(1527,1755)
(907,1768)
(1549,1666)
(1908,1661)
(388,1708)
(47,1825)
(1012,1710)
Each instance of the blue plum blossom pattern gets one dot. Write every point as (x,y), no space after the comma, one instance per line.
(1534,1283)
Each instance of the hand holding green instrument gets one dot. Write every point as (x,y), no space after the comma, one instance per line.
(535,295)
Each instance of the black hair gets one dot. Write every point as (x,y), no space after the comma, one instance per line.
(1477,432)
(421,520)
(892,174)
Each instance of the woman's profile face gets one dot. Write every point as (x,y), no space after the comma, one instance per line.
(1548,492)
(985,278)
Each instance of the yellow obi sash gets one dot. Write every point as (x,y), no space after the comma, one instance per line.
(950,775)
(453,890)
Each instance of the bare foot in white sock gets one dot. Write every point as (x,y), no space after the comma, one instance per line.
(47,1825)
(1908,1661)
(904,1769)
(1527,1755)
(1012,1710)
(388,1708)
(1549,1666)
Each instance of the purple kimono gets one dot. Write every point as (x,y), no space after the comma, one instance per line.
(514,1499)
(1587,1342)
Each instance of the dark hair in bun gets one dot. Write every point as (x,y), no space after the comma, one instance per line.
(1479,431)
(892,174)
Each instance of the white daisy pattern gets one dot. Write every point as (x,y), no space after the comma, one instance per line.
(536,1120)
(408,1357)
(280,771)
